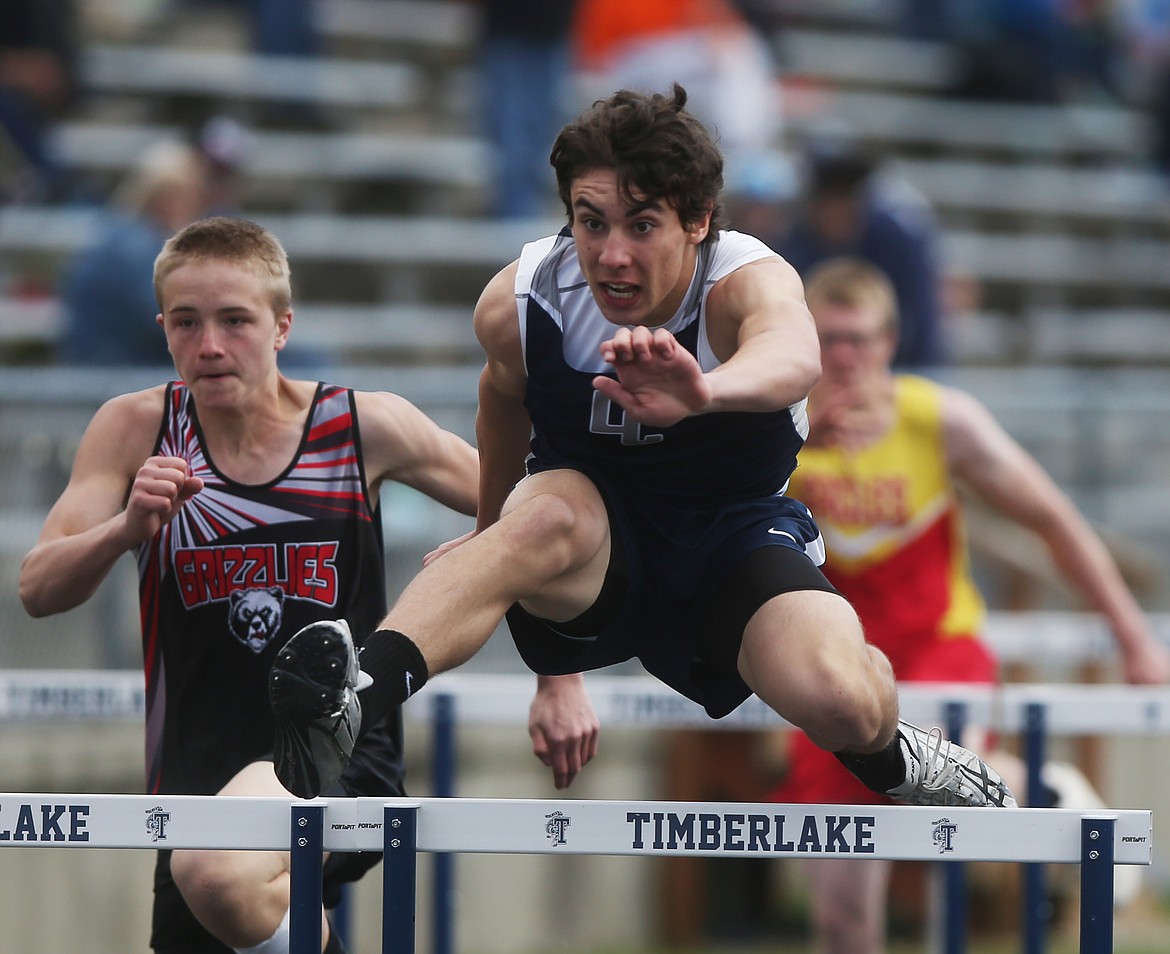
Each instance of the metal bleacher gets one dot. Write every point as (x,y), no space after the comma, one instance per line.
(1046,207)
(435,164)
(219,74)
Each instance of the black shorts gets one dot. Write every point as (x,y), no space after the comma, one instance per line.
(681,586)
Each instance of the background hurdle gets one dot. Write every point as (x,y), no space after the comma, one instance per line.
(403,827)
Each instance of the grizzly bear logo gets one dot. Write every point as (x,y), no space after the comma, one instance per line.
(254,615)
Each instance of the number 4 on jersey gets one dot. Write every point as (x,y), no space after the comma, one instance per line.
(600,422)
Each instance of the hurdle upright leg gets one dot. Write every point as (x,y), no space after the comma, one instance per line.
(1037,908)
(399,878)
(443,876)
(1097,834)
(955,872)
(304,904)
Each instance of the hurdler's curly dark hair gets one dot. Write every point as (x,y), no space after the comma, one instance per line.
(655,146)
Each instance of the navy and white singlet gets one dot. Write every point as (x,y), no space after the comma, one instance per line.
(707,459)
(686,503)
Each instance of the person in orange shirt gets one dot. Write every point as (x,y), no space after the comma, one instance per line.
(707,46)
(603,27)
(881,472)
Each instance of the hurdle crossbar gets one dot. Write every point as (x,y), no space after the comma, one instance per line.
(633,701)
(1031,710)
(400,828)
(567,826)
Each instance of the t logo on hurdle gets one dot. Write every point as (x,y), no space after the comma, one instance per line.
(555,827)
(156,823)
(944,835)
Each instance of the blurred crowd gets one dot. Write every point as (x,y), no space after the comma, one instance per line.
(539,60)
(38,84)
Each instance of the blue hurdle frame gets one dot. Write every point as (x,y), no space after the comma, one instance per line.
(1037,908)
(954,913)
(400,885)
(1035,916)
(304,903)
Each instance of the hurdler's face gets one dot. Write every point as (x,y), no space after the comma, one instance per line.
(638,258)
(221,329)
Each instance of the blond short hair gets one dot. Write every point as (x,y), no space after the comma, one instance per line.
(854,283)
(225,239)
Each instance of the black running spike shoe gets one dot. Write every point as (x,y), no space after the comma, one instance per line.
(313,689)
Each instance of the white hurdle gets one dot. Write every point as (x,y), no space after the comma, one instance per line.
(400,828)
(1033,711)
(458,699)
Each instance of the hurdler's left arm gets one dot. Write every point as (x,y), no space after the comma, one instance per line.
(763,333)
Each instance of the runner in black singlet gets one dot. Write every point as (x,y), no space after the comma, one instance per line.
(251,502)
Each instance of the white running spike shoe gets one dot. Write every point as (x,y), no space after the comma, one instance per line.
(939,772)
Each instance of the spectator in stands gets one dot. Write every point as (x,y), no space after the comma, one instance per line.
(38,83)
(1160,114)
(882,469)
(107,289)
(226,145)
(846,209)
(524,62)
(709,47)
(1146,28)
(107,293)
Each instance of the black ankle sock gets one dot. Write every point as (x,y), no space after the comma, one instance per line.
(878,771)
(398,669)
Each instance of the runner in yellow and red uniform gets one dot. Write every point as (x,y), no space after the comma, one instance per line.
(881,472)
(896,547)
